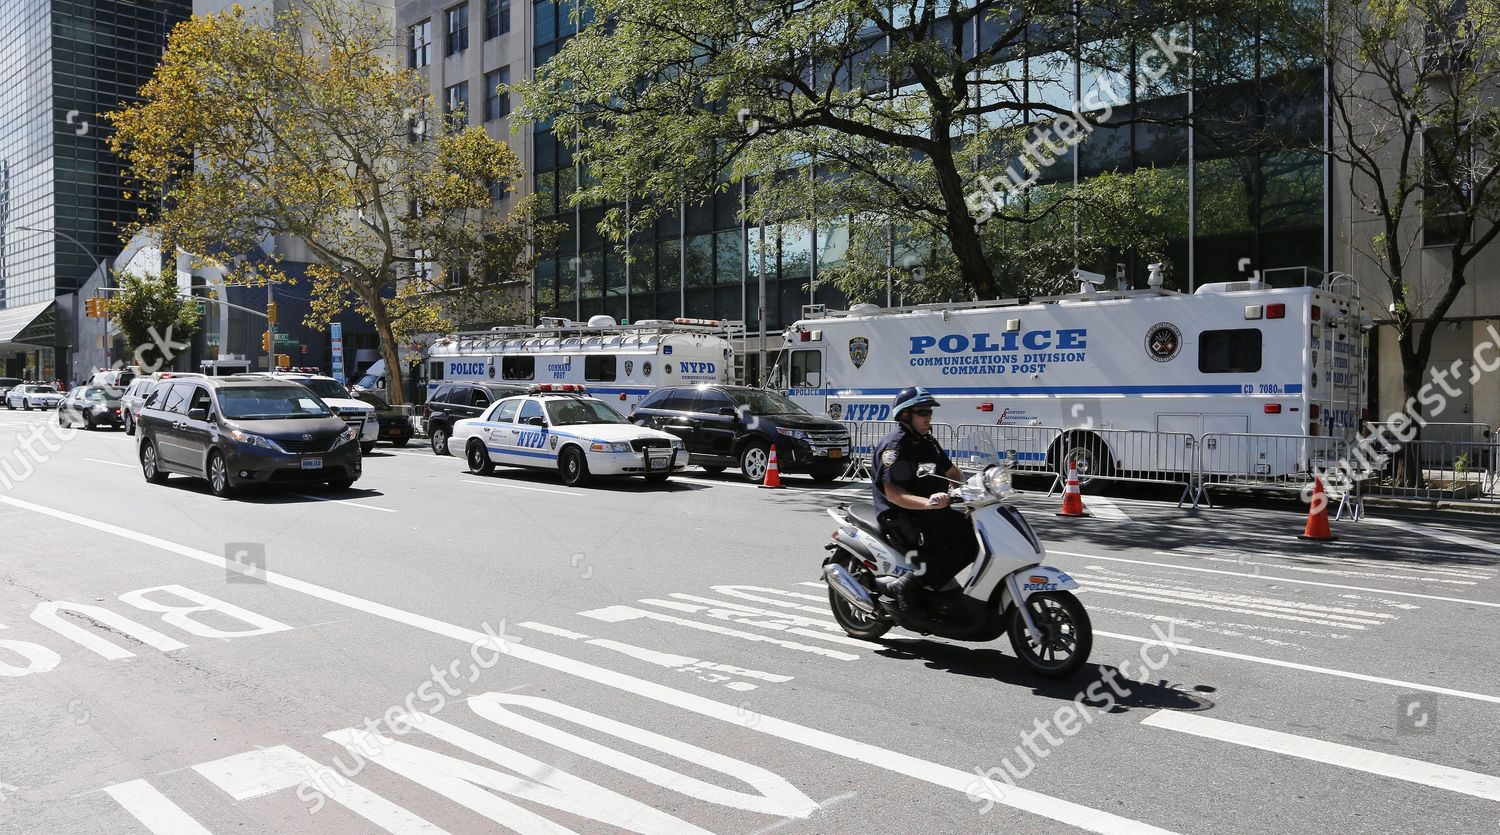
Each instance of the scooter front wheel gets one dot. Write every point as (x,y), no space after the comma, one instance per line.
(1067,635)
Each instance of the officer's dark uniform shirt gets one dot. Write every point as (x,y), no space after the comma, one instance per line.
(896,461)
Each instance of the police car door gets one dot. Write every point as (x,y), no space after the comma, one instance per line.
(499,430)
(529,436)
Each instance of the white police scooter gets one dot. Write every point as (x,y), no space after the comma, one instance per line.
(1051,633)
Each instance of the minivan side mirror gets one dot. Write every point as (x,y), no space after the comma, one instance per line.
(197,414)
(537,420)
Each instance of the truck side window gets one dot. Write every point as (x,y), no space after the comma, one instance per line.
(599,368)
(807,369)
(518,368)
(1229,351)
(436,372)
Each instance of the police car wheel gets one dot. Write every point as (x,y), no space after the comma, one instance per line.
(572,466)
(754,459)
(479,458)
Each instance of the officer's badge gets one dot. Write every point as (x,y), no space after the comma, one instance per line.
(835,409)
(859,350)
(888,457)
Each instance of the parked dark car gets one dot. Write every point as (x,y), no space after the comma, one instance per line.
(395,426)
(734,426)
(454,401)
(90,407)
(8,383)
(234,432)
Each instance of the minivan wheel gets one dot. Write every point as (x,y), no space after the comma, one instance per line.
(479,458)
(754,459)
(151,465)
(440,441)
(218,475)
(129,424)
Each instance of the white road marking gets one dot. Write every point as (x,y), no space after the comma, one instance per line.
(616,614)
(1416,577)
(1472,572)
(831,632)
(1435,533)
(662,659)
(342,501)
(1308,668)
(1482,786)
(955,779)
(111,463)
(714,482)
(553,630)
(1162,588)
(519,487)
(1100,588)
(1103,508)
(824,619)
(1227,629)
(741,592)
(1268,577)
(154,810)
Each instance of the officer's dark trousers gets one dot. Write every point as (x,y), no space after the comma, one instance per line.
(946,539)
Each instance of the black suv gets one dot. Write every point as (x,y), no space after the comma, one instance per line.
(452,402)
(734,426)
(244,431)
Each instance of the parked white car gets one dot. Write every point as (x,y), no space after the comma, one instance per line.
(562,427)
(31,396)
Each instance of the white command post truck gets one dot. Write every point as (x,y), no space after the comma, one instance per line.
(1235,358)
(617,363)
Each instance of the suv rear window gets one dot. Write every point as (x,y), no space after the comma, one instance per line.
(656,399)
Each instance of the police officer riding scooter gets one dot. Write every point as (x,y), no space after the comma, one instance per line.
(912,476)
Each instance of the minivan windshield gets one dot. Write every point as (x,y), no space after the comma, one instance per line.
(581,410)
(764,402)
(102,394)
(270,403)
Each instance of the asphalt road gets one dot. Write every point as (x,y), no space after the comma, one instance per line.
(665,662)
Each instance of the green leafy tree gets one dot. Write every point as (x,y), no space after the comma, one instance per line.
(151,314)
(896,107)
(303,124)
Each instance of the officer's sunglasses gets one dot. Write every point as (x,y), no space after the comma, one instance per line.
(922,412)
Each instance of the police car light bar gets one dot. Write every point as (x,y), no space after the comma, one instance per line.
(550,388)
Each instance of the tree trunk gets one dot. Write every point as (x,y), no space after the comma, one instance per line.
(1408,460)
(963,236)
(395,390)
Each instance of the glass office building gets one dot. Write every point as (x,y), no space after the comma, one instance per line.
(65,62)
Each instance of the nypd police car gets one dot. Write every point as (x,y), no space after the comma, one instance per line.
(561,426)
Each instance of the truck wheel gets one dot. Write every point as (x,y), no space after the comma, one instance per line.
(1090,455)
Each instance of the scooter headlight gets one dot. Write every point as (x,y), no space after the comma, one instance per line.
(997,482)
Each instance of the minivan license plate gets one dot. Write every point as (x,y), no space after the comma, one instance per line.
(312,463)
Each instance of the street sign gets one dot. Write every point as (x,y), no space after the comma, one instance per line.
(336,330)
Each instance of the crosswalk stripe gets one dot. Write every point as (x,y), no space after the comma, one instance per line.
(1482,786)
(615,614)
(1098,588)
(154,810)
(1267,577)
(1114,580)
(1418,575)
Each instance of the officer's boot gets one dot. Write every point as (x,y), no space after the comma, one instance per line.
(907,591)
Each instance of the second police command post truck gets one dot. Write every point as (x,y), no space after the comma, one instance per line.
(1237,358)
(618,363)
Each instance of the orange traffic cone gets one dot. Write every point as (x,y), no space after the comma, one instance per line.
(1317,529)
(773,475)
(1072,495)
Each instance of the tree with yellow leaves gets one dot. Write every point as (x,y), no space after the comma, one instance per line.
(303,124)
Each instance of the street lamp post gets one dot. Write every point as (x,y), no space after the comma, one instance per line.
(99,265)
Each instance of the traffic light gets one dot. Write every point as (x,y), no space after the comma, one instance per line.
(94,306)
(265,341)
(271,313)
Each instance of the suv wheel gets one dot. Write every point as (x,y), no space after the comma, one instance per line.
(713,469)
(218,475)
(479,458)
(151,465)
(440,440)
(367,447)
(573,467)
(754,459)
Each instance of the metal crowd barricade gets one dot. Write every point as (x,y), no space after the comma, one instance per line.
(1279,462)
(1138,456)
(864,436)
(1030,443)
(1432,470)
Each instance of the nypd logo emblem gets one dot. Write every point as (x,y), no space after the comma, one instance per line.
(859,350)
(628,366)
(1163,341)
(888,457)
(835,409)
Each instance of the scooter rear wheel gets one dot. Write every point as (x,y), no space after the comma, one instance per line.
(858,624)
(1068,637)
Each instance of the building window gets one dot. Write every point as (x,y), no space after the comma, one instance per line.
(1444,205)
(422,268)
(496,103)
(458,29)
(419,51)
(458,103)
(496,18)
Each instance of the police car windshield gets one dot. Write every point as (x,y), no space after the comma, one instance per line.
(325,388)
(762,402)
(41,390)
(270,403)
(570,411)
